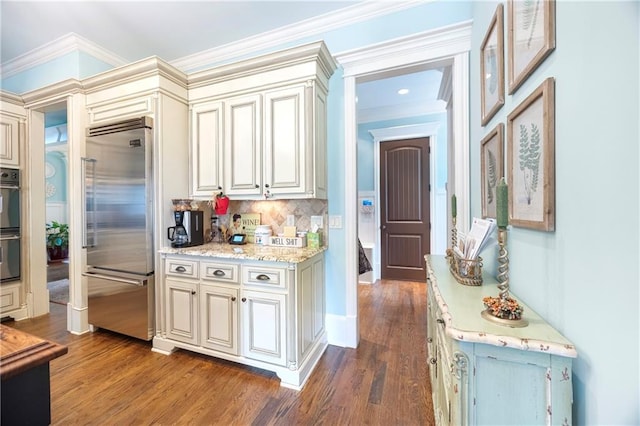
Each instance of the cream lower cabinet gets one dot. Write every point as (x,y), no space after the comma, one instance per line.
(264,314)
(485,373)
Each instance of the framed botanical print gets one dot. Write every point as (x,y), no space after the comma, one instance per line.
(531,158)
(532,37)
(492,67)
(492,168)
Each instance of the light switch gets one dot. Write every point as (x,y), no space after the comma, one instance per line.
(335,221)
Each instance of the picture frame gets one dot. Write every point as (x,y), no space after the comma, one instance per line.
(531,160)
(492,168)
(532,37)
(492,67)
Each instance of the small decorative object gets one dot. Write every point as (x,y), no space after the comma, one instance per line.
(503,310)
(57,241)
(532,37)
(465,271)
(492,169)
(492,67)
(531,148)
(221,204)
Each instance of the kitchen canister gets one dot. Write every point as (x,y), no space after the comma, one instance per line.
(262,235)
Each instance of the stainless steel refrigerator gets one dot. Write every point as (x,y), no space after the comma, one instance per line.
(118,227)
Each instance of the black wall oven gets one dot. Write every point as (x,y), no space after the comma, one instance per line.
(9,224)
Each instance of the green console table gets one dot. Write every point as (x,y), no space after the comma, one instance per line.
(484,373)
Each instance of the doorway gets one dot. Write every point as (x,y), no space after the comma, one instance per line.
(405,228)
(446,46)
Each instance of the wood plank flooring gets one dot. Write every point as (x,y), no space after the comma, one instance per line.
(107,378)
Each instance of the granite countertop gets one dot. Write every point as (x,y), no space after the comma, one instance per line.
(249,251)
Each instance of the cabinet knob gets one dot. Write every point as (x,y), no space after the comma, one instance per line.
(266,185)
(440,321)
(430,339)
(193,292)
(219,187)
(233,299)
(432,361)
(257,186)
(244,299)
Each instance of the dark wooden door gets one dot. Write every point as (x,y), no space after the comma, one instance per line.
(404,213)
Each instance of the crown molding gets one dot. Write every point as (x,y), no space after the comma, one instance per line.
(11,98)
(135,71)
(49,93)
(289,33)
(54,49)
(428,46)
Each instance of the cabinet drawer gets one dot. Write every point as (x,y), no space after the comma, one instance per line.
(181,268)
(264,277)
(221,272)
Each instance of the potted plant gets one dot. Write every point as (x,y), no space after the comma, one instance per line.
(57,241)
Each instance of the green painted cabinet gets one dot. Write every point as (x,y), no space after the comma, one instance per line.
(488,374)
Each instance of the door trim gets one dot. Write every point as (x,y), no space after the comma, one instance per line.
(451,43)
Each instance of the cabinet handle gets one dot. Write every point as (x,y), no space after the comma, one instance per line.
(233,299)
(218,273)
(263,277)
(181,269)
(432,360)
(244,299)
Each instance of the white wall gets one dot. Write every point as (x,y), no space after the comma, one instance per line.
(583,278)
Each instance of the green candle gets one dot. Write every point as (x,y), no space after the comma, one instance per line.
(502,205)
(454,207)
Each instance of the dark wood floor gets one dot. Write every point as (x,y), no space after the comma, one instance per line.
(106,378)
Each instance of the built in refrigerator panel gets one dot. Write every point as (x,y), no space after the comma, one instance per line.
(118,199)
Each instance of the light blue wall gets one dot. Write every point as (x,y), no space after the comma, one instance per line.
(366,148)
(76,64)
(583,278)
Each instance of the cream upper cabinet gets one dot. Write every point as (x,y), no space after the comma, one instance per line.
(274,125)
(243,145)
(10,134)
(207,148)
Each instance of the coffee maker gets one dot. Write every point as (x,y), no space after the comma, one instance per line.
(189,229)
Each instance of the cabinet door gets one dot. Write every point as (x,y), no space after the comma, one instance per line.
(219,318)
(264,326)
(285,144)
(182,311)
(243,145)
(9,140)
(206,149)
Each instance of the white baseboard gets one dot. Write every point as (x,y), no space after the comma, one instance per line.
(77,320)
(342,330)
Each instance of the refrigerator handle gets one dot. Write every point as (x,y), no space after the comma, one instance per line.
(136,282)
(89,220)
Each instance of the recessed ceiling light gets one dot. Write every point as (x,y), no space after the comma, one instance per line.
(403,91)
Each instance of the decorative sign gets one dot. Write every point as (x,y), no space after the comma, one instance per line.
(289,241)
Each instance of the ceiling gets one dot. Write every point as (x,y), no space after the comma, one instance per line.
(173,30)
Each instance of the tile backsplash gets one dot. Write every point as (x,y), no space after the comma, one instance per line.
(275,212)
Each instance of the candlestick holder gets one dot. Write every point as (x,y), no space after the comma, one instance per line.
(454,233)
(503,310)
